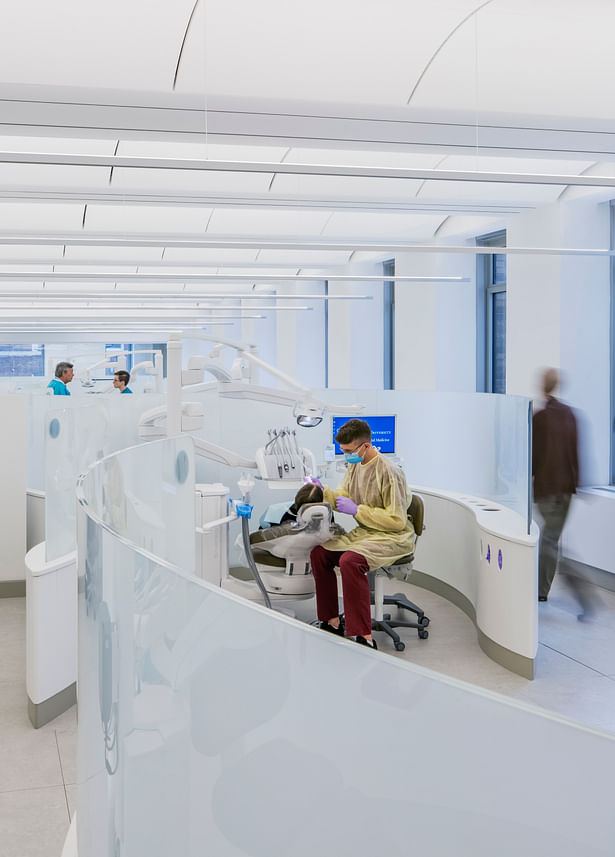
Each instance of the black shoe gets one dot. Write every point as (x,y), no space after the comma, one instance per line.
(363,642)
(542,597)
(340,630)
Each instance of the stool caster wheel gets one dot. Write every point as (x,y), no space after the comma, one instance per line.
(424,621)
(423,634)
(399,647)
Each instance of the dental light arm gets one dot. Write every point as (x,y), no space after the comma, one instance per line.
(237,383)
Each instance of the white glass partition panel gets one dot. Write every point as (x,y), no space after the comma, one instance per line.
(77,433)
(146,494)
(38,405)
(74,439)
(210,726)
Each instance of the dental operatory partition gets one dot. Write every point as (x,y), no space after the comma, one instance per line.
(211,726)
(76,433)
(474,443)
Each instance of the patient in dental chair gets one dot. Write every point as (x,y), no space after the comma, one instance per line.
(282,513)
(287,541)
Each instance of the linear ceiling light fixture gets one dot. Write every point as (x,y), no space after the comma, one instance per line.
(88,276)
(97,239)
(204,165)
(177,297)
(275,201)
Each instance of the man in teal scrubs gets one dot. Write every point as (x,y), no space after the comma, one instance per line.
(64,375)
(120,381)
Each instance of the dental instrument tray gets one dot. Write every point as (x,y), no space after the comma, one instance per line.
(282,459)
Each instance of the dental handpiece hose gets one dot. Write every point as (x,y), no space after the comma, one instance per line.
(245,531)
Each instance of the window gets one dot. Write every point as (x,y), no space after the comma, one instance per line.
(491,316)
(388,317)
(326,303)
(612,349)
(21,360)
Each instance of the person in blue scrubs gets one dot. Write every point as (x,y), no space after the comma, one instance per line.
(64,375)
(120,381)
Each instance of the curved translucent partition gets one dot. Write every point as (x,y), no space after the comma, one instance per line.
(77,433)
(211,726)
(474,443)
(74,438)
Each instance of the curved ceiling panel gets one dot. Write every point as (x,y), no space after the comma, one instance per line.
(109,255)
(126,178)
(301,52)
(360,225)
(145,218)
(24,216)
(345,187)
(256,221)
(500,192)
(203,256)
(115,44)
(552,58)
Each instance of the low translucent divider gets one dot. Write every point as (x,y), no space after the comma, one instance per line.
(74,438)
(76,434)
(211,727)
(474,443)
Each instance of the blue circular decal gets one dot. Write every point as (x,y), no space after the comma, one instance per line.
(54,427)
(182,466)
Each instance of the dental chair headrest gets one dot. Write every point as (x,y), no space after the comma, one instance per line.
(314,524)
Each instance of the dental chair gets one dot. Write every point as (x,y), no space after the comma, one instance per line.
(401,570)
(282,552)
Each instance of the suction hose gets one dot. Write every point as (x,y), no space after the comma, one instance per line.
(245,532)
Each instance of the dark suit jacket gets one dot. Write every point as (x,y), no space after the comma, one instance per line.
(555,457)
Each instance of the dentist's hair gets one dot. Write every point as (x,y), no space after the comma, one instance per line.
(354,430)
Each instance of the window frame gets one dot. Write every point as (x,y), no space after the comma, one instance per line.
(486,289)
(388,326)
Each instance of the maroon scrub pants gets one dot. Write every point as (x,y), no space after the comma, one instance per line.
(355,588)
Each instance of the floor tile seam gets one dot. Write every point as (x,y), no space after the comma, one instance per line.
(31,789)
(575,660)
(55,735)
(66,801)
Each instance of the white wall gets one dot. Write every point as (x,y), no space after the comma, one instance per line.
(558,315)
(14,441)
(435,324)
(356,332)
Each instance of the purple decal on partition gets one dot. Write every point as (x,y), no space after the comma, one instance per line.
(500,560)
(488,557)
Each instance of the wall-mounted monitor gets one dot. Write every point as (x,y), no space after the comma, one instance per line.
(383,432)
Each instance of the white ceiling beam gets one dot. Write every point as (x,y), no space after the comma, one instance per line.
(122,114)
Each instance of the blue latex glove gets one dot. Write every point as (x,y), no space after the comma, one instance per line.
(346,505)
(315,481)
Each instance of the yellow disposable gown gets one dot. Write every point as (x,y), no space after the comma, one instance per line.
(384,534)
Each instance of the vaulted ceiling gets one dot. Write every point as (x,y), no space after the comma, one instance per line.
(215,138)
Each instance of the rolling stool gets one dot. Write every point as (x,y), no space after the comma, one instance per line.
(402,569)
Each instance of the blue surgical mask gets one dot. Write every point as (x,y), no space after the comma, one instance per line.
(353,457)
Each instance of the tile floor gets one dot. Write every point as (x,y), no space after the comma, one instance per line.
(37,767)
(575,677)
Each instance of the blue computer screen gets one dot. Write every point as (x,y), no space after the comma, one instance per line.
(383,432)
